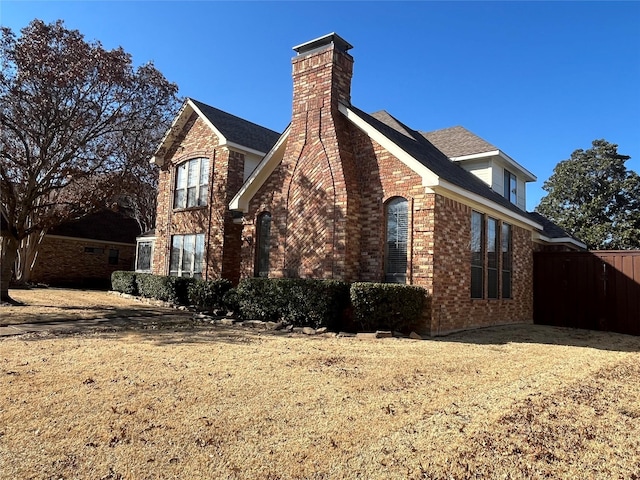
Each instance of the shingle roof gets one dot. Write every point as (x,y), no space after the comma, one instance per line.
(238,130)
(550,229)
(458,142)
(106,225)
(435,160)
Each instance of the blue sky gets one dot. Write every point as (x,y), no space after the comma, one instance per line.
(537,79)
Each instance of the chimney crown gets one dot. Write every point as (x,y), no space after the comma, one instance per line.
(321,42)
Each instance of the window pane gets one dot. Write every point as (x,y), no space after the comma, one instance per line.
(181,175)
(396,240)
(114,255)
(507,259)
(191,197)
(199,255)
(144,256)
(204,171)
(202,195)
(492,243)
(263,245)
(188,253)
(477,258)
(176,247)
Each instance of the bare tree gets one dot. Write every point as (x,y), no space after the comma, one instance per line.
(78,124)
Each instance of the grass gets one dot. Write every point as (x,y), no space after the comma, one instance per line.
(510,402)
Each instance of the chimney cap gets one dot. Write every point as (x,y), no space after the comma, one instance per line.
(321,42)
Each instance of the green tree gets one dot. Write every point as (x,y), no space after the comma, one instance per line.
(78,124)
(594,197)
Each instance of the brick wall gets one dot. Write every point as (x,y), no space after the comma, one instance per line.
(453,307)
(222,237)
(66,261)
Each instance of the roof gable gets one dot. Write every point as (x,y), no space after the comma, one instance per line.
(238,131)
(458,142)
(231,130)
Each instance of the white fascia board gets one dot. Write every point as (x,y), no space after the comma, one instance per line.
(446,189)
(169,134)
(429,178)
(562,240)
(243,149)
(527,175)
(257,178)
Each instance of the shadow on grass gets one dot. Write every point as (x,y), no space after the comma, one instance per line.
(547,335)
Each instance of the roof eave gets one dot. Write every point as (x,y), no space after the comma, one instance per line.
(541,237)
(267,165)
(527,175)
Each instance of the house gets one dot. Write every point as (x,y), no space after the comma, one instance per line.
(349,195)
(85,252)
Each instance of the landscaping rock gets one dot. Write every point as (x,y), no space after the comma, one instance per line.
(384,334)
(253,324)
(366,335)
(225,321)
(321,330)
(346,334)
(308,331)
(415,336)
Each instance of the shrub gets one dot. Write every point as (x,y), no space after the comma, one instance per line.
(315,303)
(208,295)
(165,288)
(124,282)
(258,299)
(301,302)
(387,306)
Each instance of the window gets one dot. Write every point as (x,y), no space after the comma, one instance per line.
(113,256)
(263,232)
(477,255)
(187,254)
(507,260)
(143,257)
(192,183)
(510,186)
(491,257)
(396,241)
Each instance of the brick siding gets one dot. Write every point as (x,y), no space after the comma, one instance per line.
(64,261)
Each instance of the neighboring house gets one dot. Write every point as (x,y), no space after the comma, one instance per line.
(85,252)
(347,195)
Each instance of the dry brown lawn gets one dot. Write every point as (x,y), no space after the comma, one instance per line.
(54,304)
(212,402)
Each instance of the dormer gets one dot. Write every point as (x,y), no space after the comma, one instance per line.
(490,164)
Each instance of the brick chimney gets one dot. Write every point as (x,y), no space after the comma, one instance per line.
(322,71)
(320,193)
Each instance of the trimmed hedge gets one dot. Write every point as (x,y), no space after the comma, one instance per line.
(124,282)
(301,302)
(165,288)
(208,295)
(387,306)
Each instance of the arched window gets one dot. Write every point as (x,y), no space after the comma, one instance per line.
(192,183)
(263,239)
(395,255)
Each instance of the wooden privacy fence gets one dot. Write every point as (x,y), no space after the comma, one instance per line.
(597,290)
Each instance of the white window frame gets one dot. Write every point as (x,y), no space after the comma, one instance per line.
(396,240)
(191,183)
(182,265)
